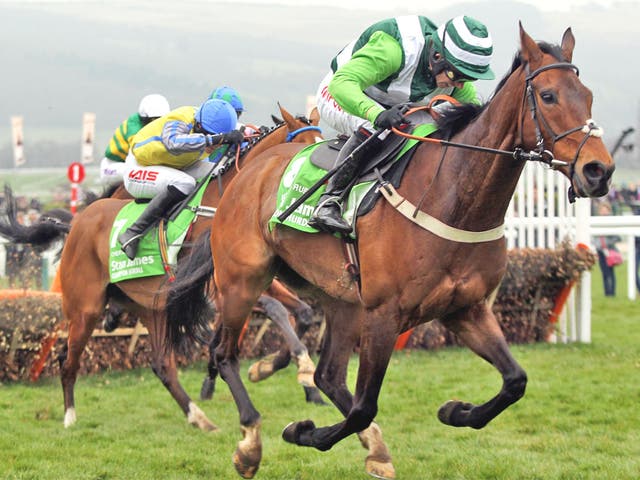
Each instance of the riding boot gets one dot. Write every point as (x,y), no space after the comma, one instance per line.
(328,214)
(156,209)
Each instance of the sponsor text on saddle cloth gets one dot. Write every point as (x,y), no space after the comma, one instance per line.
(301,175)
(148,261)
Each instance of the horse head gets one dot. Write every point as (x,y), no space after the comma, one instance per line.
(559,123)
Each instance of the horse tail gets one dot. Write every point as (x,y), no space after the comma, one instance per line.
(41,235)
(188,308)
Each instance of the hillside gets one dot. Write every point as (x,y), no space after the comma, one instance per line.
(64,58)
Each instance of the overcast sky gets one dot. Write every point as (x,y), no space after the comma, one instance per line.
(420,5)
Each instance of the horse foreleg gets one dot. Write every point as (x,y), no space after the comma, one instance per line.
(163,365)
(340,339)
(248,454)
(478,328)
(279,360)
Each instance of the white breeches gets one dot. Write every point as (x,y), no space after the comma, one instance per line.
(111,172)
(345,123)
(334,115)
(147,182)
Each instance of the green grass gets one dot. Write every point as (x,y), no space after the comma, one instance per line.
(578,420)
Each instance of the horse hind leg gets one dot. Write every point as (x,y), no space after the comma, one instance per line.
(479,330)
(164,366)
(81,325)
(209,382)
(248,454)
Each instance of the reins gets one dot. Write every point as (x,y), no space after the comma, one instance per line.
(540,154)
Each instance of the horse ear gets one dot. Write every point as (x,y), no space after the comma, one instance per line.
(568,43)
(314,116)
(276,120)
(529,49)
(287,116)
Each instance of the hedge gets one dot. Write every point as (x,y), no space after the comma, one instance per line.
(525,300)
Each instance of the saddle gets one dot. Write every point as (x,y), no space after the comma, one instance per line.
(380,166)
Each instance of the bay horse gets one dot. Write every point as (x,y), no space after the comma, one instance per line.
(276,305)
(85,285)
(461,181)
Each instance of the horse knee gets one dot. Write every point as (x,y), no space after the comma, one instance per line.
(515,385)
(360,417)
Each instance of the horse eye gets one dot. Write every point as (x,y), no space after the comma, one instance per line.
(548,97)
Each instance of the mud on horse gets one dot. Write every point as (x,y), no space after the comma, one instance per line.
(539,111)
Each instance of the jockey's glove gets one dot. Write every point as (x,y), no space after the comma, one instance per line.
(234,136)
(392,117)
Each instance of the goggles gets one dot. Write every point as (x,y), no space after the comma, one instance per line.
(454,75)
(440,64)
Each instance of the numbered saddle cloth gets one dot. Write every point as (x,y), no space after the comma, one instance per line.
(148,261)
(303,172)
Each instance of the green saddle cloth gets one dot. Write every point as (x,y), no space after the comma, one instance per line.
(148,261)
(301,175)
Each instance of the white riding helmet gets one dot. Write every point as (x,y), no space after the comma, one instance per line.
(153,106)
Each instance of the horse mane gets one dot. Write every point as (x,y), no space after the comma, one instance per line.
(455,118)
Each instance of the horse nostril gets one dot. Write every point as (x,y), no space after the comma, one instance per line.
(596,172)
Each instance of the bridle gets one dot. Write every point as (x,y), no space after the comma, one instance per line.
(590,129)
(539,154)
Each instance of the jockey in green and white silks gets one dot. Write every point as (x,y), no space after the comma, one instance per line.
(388,64)
(169,155)
(112,165)
(401,60)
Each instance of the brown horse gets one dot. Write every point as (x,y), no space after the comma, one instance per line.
(409,274)
(84,278)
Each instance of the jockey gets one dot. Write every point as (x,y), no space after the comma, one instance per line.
(112,166)
(402,60)
(166,159)
(231,96)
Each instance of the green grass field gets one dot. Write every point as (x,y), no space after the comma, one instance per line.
(578,420)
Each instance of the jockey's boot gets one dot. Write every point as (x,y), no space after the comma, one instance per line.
(328,214)
(156,209)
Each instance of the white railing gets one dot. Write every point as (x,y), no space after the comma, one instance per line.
(540,216)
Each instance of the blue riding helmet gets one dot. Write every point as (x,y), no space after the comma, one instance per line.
(230,95)
(216,116)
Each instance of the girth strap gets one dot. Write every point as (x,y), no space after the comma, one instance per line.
(434,225)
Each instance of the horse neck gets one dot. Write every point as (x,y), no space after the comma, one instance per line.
(474,188)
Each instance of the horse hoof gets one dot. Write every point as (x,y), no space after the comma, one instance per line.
(293,432)
(312,395)
(260,370)
(197,418)
(306,370)
(246,465)
(306,379)
(69,417)
(246,458)
(207,389)
(378,469)
(455,413)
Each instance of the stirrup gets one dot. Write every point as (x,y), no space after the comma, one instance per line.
(323,203)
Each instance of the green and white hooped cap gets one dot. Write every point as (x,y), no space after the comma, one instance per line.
(467,46)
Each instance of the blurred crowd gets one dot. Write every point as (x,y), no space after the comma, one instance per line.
(620,201)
